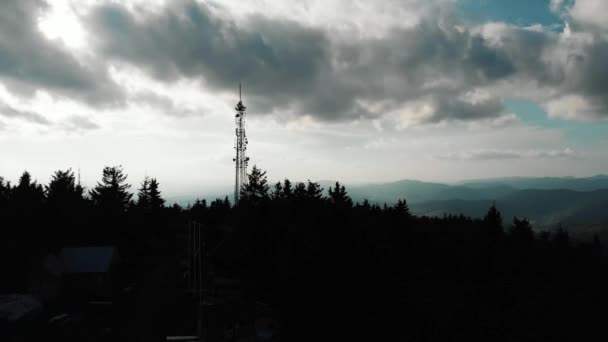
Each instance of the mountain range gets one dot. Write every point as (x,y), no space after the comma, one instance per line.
(546,201)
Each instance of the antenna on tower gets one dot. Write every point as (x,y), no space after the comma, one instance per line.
(78,176)
(241,159)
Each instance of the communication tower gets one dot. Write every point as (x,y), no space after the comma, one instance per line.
(241,160)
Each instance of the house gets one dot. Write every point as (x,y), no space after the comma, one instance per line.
(90,272)
(45,278)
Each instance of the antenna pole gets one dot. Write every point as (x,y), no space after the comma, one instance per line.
(241,160)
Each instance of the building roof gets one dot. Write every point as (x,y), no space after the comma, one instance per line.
(88,259)
(13,307)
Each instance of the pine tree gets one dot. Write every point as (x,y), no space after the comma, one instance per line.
(28,194)
(402,209)
(339,197)
(521,230)
(111,194)
(299,192)
(143,194)
(365,205)
(287,189)
(256,189)
(63,192)
(493,219)
(314,191)
(278,193)
(5,190)
(156,200)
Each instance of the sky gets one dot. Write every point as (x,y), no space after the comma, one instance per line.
(357,91)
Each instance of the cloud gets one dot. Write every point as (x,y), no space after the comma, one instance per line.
(291,69)
(484,155)
(301,70)
(30,62)
(11,112)
(161,102)
(556,5)
(79,123)
(590,13)
(328,70)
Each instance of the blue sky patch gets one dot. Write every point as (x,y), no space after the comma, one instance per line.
(517,12)
(532,114)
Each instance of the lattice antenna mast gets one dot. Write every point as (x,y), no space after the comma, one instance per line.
(241,160)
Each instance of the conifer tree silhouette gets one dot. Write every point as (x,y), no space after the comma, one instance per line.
(521,230)
(156,200)
(314,191)
(111,194)
(28,194)
(401,208)
(287,189)
(256,189)
(299,192)
(143,194)
(339,197)
(63,193)
(493,220)
(5,190)
(278,193)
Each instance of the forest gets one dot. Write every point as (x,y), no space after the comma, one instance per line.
(329,268)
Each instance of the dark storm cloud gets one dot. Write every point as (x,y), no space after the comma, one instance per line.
(187,40)
(290,69)
(30,62)
(13,113)
(286,65)
(161,102)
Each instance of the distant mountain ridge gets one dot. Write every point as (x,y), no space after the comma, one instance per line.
(567,183)
(542,207)
(544,200)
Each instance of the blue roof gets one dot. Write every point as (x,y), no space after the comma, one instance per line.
(87,259)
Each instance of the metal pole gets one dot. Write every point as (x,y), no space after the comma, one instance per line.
(188,266)
(200,285)
(200,267)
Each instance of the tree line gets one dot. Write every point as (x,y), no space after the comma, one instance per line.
(334,268)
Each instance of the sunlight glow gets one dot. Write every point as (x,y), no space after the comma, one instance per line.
(61,22)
